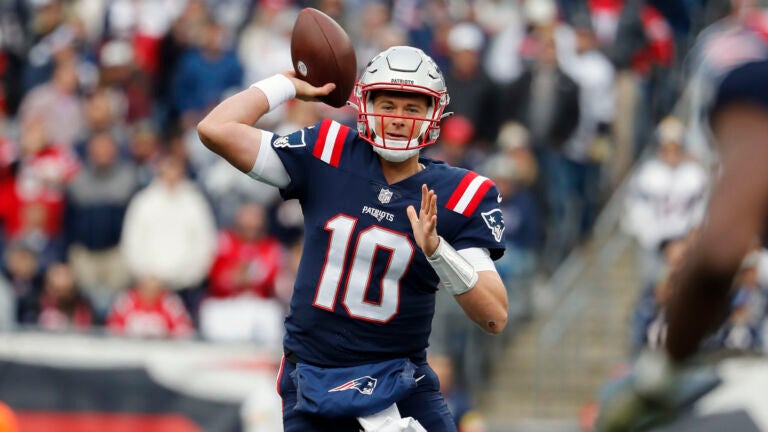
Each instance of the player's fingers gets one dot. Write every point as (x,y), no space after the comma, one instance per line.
(432,202)
(326,89)
(424,198)
(411,212)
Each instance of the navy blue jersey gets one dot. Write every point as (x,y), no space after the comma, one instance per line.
(731,62)
(365,291)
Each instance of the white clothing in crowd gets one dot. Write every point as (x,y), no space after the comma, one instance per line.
(170,233)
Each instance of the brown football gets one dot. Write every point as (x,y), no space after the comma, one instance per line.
(322,53)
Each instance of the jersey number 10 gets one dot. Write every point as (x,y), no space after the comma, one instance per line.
(369,241)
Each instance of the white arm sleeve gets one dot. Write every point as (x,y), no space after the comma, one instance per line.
(268,167)
(480,258)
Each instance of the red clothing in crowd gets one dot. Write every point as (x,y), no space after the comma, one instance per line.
(53,317)
(40,179)
(164,317)
(245,266)
(659,48)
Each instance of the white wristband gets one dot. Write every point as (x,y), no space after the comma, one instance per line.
(278,89)
(457,275)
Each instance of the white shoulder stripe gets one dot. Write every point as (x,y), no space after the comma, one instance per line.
(330,142)
(469,193)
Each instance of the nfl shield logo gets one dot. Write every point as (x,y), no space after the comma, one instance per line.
(385,195)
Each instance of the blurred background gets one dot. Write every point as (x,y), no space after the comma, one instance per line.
(144,280)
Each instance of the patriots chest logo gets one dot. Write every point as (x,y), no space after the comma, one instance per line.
(495,223)
(365,385)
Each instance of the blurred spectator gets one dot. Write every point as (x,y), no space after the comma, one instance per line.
(143,22)
(547,102)
(578,168)
(182,36)
(45,167)
(744,328)
(374,19)
(49,248)
(57,104)
(641,46)
(471,91)
(456,143)
(61,305)
(102,113)
(149,310)
(666,196)
(13,52)
(49,40)
(129,88)
(7,306)
(264,45)
(520,212)
(502,62)
(96,203)
(242,283)
(467,419)
(513,142)
(21,272)
(649,324)
(169,233)
(205,74)
(247,260)
(144,151)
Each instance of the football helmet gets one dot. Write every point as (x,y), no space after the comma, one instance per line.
(401,69)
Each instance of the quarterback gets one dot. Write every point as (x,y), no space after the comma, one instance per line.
(383,227)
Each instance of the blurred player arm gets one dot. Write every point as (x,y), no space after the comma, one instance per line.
(228,129)
(737,214)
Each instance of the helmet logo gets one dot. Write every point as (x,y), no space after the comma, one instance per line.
(401,81)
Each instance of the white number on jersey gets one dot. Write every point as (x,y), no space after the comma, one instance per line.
(369,241)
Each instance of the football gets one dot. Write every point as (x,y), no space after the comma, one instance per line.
(322,52)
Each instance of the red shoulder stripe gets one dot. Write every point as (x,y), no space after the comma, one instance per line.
(460,189)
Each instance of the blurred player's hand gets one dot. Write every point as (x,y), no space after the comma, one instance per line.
(306,91)
(424,224)
(654,393)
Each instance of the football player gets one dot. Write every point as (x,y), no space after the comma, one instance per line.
(383,227)
(682,391)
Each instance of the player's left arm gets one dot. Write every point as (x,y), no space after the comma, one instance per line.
(481,294)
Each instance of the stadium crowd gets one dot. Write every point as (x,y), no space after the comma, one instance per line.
(113,214)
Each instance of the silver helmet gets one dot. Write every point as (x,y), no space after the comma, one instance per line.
(401,69)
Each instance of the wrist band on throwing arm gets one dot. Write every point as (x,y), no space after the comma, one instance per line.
(278,89)
(458,275)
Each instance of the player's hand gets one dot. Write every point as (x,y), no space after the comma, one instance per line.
(306,91)
(424,224)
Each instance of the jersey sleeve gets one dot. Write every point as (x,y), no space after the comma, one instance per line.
(295,152)
(745,83)
(301,151)
(477,200)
